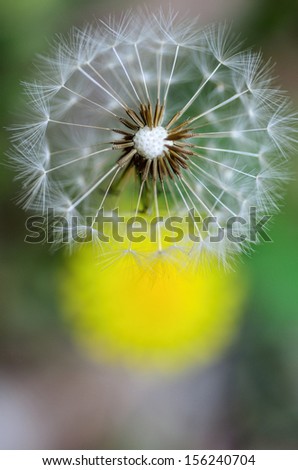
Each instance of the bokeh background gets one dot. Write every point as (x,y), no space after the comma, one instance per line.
(53,393)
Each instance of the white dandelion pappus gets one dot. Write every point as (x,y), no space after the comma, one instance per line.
(157,116)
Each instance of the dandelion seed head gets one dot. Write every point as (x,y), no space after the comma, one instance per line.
(158,116)
(151,143)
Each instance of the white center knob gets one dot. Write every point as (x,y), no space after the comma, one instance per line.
(151,143)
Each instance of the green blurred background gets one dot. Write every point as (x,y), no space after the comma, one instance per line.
(51,395)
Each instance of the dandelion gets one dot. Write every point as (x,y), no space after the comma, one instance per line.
(156,116)
(153,323)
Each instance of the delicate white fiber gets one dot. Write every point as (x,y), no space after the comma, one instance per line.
(240,126)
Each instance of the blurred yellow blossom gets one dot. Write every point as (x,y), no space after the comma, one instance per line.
(159,315)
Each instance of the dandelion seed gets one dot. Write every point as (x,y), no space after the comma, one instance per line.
(155,116)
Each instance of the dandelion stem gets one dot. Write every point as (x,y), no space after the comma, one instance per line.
(105,196)
(194,97)
(171,74)
(90,190)
(90,101)
(234,152)
(220,105)
(223,133)
(221,164)
(137,207)
(198,198)
(101,87)
(157,215)
(126,73)
(188,208)
(80,125)
(83,157)
(219,184)
(212,194)
(107,83)
(142,72)
(159,59)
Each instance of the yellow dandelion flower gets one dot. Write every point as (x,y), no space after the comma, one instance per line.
(158,316)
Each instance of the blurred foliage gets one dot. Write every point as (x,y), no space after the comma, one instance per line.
(274,275)
(29,311)
(269,18)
